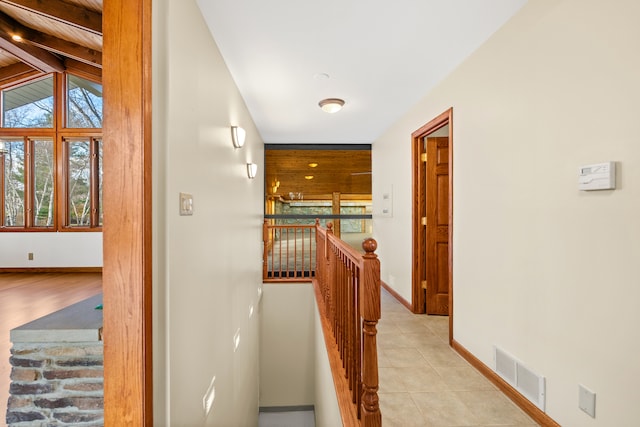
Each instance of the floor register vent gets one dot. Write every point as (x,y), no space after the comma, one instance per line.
(527,382)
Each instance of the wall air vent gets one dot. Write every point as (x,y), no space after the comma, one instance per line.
(527,382)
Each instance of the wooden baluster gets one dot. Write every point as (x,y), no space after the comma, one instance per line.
(325,272)
(318,267)
(343,304)
(303,263)
(347,308)
(347,317)
(355,330)
(274,234)
(370,313)
(278,233)
(290,270)
(265,248)
(358,345)
(312,259)
(331,280)
(352,318)
(295,252)
(338,291)
(287,265)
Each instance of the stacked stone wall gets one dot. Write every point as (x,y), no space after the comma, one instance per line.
(56,384)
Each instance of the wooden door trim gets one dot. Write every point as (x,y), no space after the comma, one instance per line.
(127,261)
(418,188)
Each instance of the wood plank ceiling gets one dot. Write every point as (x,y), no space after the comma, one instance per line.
(316,174)
(45,36)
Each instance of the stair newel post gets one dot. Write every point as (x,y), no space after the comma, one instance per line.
(370,314)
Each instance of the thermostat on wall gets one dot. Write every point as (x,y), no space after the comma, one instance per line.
(600,176)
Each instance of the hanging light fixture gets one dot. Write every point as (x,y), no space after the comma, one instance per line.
(331,105)
(237,136)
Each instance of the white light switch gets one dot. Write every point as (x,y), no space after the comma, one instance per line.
(387,202)
(186,204)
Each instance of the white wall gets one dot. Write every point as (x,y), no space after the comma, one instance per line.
(50,250)
(327,410)
(207,270)
(287,345)
(545,271)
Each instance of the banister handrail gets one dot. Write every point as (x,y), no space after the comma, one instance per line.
(348,284)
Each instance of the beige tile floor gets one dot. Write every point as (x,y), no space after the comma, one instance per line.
(423,382)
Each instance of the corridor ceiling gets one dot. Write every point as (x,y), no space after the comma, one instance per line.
(380,56)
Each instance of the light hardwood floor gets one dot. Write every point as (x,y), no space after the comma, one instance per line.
(27,296)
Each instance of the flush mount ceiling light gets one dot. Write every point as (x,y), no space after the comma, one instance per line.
(313,165)
(331,105)
(237,136)
(308,177)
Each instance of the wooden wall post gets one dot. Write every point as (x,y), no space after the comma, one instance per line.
(127,232)
(370,313)
(335,210)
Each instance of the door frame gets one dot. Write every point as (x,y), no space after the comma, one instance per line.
(419,205)
(127,245)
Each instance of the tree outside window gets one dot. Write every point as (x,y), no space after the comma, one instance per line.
(51,177)
(12,156)
(84,180)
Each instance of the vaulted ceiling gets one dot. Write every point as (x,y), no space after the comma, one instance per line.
(44,36)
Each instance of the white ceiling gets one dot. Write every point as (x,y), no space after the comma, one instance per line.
(381,58)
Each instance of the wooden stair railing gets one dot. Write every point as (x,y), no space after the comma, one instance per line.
(348,292)
(288,253)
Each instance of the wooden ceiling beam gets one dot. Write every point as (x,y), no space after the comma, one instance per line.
(16,73)
(33,56)
(65,48)
(61,11)
(84,70)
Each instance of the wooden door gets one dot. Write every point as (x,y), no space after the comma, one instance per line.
(437,227)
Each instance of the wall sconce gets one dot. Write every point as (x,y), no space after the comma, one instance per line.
(237,136)
(252,170)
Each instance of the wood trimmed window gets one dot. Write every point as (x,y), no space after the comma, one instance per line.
(51,155)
